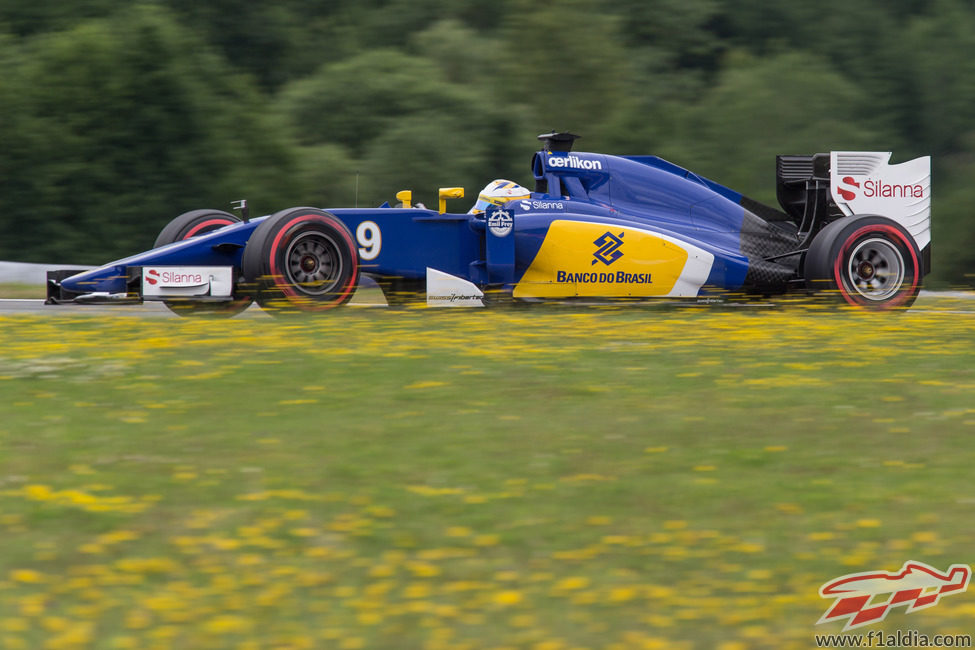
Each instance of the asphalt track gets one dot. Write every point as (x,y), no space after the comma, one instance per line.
(9,306)
(147,309)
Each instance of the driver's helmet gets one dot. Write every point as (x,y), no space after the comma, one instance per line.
(498,192)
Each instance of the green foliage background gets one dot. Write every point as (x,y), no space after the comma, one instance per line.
(117,116)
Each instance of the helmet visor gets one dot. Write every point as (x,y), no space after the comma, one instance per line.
(483,203)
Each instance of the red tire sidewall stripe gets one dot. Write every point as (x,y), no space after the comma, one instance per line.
(287,289)
(897,235)
(203,224)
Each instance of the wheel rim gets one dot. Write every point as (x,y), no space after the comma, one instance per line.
(313,264)
(876,269)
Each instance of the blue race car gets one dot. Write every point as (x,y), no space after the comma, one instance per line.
(596,226)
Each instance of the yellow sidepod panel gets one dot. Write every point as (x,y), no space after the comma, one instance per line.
(579,258)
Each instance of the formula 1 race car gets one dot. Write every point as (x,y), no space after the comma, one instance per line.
(596,226)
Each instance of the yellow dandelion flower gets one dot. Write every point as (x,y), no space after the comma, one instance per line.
(27,576)
(38,492)
(622,594)
(369,618)
(424,384)
(572,583)
(550,644)
(749,547)
(732,645)
(789,508)
(423,569)
(227,624)
(822,536)
(417,590)
(507,597)
(118,536)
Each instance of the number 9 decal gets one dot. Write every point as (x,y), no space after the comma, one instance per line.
(370,240)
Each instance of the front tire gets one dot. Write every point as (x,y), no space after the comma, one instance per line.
(301,259)
(868,261)
(191,224)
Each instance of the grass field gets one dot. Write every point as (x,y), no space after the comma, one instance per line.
(20,290)
(545,478)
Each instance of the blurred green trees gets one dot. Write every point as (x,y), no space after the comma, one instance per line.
(116,116)
(115,125)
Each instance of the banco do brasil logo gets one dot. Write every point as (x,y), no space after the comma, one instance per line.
(609,245)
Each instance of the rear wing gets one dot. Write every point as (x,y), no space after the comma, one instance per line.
(866,183)
(816,189)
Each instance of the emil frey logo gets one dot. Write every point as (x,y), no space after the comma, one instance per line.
(916,586)
(500,223)
(609,245)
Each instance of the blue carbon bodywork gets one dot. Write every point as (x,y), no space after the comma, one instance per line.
(643,192)
(223,247)
(649,192)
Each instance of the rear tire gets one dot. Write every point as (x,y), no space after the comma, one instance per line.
(191,224)
(867,261)
(301,260)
